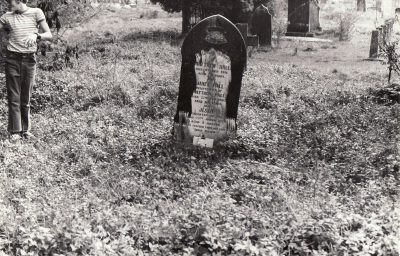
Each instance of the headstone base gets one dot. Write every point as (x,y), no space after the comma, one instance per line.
(203,142)
(182,134)
(252,41)
(374,59)
(300,34)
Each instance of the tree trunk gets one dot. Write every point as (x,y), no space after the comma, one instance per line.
(185,16)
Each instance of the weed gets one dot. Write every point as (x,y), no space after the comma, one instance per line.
(346,21)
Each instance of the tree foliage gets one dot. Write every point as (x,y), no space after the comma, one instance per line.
(176,5)
(234,10)
(237,11)
(169,5)
(52,16)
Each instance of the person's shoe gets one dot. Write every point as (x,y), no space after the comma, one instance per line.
(15,136)
(28,135)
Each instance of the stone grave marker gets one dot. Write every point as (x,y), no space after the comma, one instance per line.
(261,24)
(213,62)
(361,6)
(303,18)
(380,37)
(374,49)
(389,31)
(250,40)
(384,36)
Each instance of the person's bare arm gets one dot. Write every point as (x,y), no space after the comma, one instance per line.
(46,35)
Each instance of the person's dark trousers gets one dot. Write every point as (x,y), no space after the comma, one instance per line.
(20,77)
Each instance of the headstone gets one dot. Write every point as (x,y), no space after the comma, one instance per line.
(243,27)
(378,6)
(391,28)
(373,51)
(250,40)
(387,31)
(361,6)
(380,40)
(262,25)
(384,34)
(389,25)
(213,62)
(303,17)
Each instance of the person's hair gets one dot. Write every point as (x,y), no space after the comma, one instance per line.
(18,1)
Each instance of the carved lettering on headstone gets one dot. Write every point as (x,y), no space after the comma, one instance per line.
(213,75)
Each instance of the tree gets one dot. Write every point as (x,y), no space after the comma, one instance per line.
(235,10)
(186,14)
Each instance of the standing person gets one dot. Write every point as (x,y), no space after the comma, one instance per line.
(20,62)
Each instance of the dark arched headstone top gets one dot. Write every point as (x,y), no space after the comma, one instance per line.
(215,32)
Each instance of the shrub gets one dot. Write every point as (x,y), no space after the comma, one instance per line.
(346,21)
(158,101)
(149,14)
(278,10)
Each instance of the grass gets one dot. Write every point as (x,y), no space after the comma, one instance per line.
(127,24)
(313,169)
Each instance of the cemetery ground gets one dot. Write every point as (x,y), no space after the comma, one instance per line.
(313,170)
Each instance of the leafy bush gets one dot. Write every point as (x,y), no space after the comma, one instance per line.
(149,14)
(278,10)
(346,21)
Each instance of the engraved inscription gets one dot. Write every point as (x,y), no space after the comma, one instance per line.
(213,75)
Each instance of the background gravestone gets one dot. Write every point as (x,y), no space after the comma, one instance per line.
(361,6)
(243,28)
(380,36)
(384,36)
(262,25)
(390,29)
(249,40)
(213,62)
(374,49)
(303,17)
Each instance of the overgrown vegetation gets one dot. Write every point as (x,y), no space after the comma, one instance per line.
(313,170)
(278,10)
(346,21)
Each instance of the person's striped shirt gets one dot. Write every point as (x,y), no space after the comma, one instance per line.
(22,25)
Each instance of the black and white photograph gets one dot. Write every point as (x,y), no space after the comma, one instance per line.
(199,127)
